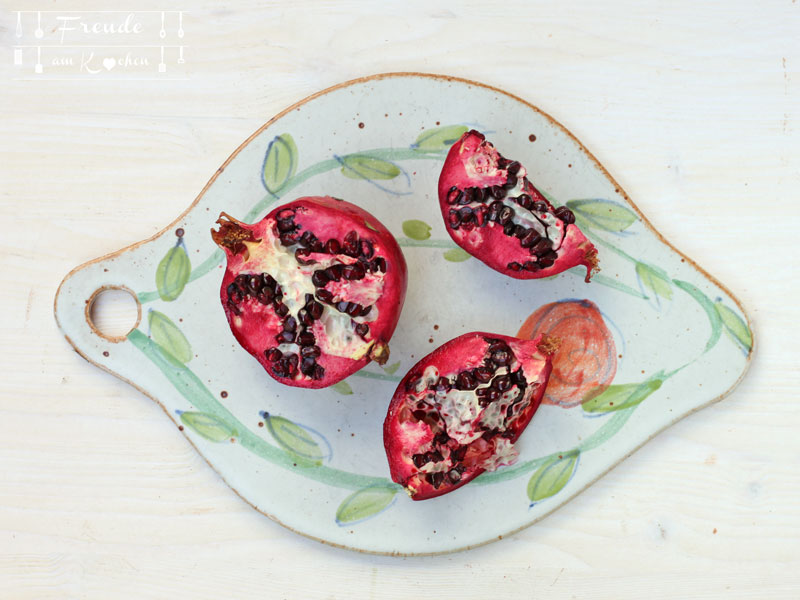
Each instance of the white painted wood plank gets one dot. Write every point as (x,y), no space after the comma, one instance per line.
(693,107)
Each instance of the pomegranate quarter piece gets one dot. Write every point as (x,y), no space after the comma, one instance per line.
(313,290)
(458,411)
(493,212)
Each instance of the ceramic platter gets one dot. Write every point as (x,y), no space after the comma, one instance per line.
(651,339)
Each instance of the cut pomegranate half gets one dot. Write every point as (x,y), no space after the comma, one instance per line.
(493,212)
(314,290)
(459,410)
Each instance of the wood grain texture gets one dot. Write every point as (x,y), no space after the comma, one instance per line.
(693,107)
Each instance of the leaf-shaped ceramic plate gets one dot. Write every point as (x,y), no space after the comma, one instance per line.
(651,339)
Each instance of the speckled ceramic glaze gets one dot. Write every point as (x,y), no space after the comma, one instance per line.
(649,340)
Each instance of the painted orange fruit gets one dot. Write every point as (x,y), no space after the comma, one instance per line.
(586,361)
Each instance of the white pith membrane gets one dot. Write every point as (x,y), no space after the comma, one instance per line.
(334,331)
(545,224)
(463,419)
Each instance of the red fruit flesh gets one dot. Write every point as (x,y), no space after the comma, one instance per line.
(459,410)
(314,290)
(493,212)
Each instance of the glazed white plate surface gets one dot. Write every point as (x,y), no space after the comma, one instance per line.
(674,339)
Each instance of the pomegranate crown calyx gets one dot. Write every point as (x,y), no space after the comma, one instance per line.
(232,234)
(548,344)
(592,263)
(379,353)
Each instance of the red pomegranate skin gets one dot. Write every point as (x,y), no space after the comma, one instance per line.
(474,163)
(479,432)
(256,249)
(586,361)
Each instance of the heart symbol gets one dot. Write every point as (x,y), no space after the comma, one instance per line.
(109,63)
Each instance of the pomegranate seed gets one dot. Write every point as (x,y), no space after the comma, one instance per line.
(285,226)
(531,265)
(335,272)
(529,239)
(505,215)
(324,295)
(332,246)
(498,191)
(315,309)
(285,337)
(502,383)
(483,375)
(367,249)
(310,351)
(453,195)
(466,381)
(501,357)
(306,338)
(541,246)
(420,460)
(273,354)
(320,278)
(454,219)
(546,262)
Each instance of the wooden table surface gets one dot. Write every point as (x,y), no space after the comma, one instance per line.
(692,106)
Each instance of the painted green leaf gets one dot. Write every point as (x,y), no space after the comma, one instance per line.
(172,273)
(621,396)
(358,166)
(456,255)
(280,163)
(170,340)
(552,476)
(296,440)
(612,283)
(439,138)
(654,279)
(392,369)
(416,229)
(735,326)
(364,503)
(208,426)
(343,388)
(708,306)
(604,214)
(188,385)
